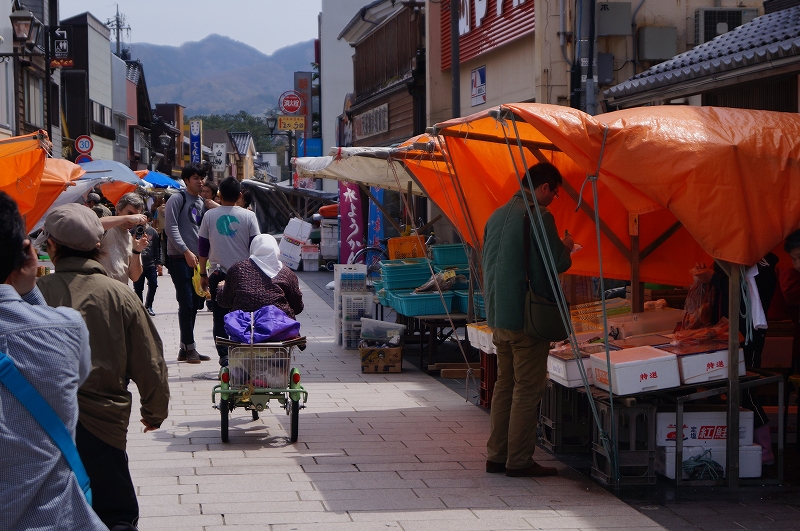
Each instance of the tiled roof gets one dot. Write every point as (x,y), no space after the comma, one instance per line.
(241,141)
(764,40)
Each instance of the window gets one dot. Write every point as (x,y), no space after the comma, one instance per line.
(101,114)
(137,141)
(34,104)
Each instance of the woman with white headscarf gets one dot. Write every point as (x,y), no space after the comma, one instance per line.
(261,280)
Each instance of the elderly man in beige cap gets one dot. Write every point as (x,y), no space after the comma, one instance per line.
(124,344)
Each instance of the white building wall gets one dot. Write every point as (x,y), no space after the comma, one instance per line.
(99,68)
(103,148)
(336,68)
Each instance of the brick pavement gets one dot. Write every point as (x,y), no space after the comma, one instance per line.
(393,451)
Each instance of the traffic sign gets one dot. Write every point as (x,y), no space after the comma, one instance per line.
(291,123)
(84,144)
(290,102)
(83,157)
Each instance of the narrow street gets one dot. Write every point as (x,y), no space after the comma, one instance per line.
(391,451)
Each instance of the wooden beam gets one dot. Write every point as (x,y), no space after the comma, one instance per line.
(459,374)
(378,204)
(430,223)
(470,135)
(658,241)
(732,470)
(604,228)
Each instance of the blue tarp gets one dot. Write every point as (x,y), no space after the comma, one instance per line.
(160,180)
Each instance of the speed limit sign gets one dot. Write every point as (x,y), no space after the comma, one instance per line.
(84,144)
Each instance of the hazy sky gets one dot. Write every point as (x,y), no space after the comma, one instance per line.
(263,24)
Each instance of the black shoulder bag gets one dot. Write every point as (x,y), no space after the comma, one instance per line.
(542,318)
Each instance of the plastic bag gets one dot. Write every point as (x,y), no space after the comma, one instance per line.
(698,306)
(269,324)
(198,288)
(718,332)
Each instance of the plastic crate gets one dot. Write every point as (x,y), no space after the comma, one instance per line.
(350,277)
(636,444)
(478,304)
(405,274)
(356,305)
(460,301)
(380,330)
(412,304)
(351,335)
(565,420)
(449,254)
(406,247)
(488,378)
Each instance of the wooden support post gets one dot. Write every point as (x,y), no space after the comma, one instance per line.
(732,469)
(365,191)
(637,287)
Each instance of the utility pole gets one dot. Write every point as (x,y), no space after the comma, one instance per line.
(117,25)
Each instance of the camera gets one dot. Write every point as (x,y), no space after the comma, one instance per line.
(138,231)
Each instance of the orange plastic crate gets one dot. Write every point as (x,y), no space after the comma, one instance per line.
(406,247)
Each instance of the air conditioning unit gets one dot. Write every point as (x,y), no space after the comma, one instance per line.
(145,154)
(712,21)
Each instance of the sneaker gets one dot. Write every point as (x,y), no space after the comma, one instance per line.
(150,311)
(191,356)
(534,471)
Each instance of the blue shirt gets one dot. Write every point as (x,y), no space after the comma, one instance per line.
(50,347)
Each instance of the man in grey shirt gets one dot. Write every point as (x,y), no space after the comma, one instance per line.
(225,236)
(183,215)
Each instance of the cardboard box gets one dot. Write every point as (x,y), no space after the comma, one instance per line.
(635,370)
(562,367)
(703,363)
(749,459)
(381,359)
(703,428)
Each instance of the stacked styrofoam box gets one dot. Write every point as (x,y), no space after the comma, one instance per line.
(294,237)
(562,367)
(329,238)
(636,370)
(351,301)
(704,430)
(699,363)
(480,337)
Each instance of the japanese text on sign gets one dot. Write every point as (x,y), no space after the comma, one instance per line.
(291,123)
(373,122)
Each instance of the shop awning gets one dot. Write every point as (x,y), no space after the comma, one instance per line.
(21,166)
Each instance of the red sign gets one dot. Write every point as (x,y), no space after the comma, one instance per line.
(290,102)
(485,25)
(83,157)
(84,144)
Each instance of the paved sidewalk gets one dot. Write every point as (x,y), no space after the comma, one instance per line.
(394,451)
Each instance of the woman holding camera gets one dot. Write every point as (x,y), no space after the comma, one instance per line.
(124,239)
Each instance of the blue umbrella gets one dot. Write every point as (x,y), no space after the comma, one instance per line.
(112,169)
(159,180)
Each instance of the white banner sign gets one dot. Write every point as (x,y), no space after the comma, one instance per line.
(219,154)
(373,122)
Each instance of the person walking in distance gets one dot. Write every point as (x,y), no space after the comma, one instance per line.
(50,348)
(225,236)
(521,359)
(124,344)
(183,215)
(151,261)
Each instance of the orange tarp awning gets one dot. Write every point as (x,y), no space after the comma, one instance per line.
(731,177)
(21,165)
(55,178)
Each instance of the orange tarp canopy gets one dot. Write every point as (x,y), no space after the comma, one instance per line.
(21,165)
(57,176)
(707,181)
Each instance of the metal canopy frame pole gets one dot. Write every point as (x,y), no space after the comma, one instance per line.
(732,443)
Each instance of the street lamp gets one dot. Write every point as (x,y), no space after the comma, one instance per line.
(272,122)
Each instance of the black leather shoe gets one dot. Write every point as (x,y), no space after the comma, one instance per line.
(191,356)
(495,468)
(534,471)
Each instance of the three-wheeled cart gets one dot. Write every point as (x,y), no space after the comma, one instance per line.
(257,373)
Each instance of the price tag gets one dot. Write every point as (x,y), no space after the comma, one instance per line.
(447,274)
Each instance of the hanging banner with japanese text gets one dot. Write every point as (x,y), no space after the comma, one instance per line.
(351,224)
(195,139)
(375,222)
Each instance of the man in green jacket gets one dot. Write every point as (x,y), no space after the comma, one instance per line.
(521,359)
(124,343)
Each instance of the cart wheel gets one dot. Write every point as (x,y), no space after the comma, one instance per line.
(223,411)
(255,414)
(295,420)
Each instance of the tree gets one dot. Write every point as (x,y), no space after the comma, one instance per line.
(243,121)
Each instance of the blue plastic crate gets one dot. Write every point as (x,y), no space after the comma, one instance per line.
(479,306)
(460,301)
(412,304)
(449,254)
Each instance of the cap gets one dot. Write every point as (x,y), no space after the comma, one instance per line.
(93,197)
(74,226)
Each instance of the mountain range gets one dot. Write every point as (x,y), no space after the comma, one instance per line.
(219,75)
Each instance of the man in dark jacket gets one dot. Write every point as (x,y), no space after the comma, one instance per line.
(151,260)
(521,359)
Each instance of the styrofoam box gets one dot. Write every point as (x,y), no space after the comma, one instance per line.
(635,370)
(563,368)
(749,459)
(298,229)
(290,250)
(645,323)
(329,250)
(703,428)
(708,366)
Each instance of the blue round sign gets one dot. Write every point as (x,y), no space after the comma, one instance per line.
(83,157)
